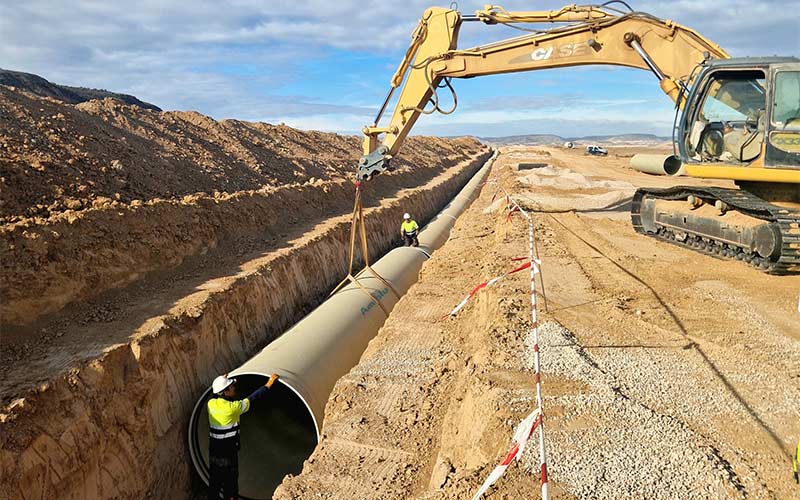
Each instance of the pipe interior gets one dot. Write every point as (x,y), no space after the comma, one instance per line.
(672,165)
(277,435)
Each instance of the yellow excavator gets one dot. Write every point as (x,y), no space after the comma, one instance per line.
(736,118)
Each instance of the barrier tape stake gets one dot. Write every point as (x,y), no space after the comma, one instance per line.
(535,327)
(536,418)
(535,330)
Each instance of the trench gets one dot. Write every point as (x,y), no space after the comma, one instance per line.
(311,357)
(115,426)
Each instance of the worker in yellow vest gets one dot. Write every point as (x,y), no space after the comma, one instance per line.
(409,230)
(796,463)
(224,411)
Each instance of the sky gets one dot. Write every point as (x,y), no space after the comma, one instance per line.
(326,65)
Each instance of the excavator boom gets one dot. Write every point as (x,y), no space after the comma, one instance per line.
(739,118)
(594,36)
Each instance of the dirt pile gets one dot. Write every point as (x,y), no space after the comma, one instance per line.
(57,157)
(99,194)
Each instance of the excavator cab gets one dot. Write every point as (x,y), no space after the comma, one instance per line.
(740,121)
(743,112)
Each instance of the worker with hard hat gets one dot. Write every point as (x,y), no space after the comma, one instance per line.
(224,411)
(409,229)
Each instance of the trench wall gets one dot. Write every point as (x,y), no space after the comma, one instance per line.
(47,264)
(115,427)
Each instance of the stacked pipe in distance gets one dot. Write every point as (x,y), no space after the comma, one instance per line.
(279,433)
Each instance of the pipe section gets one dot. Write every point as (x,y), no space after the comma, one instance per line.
(658,164)
(278,434)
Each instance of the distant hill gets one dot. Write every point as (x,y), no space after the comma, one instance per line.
(623,138)
(545,139)
(533,139)
(73,95)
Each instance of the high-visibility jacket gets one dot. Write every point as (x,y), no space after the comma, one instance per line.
(223,419)
(409,227)
(796,461)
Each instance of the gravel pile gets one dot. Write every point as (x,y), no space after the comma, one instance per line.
(604,442)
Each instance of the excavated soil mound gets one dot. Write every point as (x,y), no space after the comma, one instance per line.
(97,194)
(58,157)
(143,253)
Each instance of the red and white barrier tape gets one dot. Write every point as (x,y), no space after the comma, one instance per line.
(521,436)
(511,212)
(483,285)
(533,264)
(537,365)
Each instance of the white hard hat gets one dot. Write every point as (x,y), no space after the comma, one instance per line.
(221,383)
(406,216)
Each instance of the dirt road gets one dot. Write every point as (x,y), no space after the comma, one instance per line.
(667,374)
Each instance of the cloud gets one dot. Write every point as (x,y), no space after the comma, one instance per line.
(326,65)
(167,51)
(601,116)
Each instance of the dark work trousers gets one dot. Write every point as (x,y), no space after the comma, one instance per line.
(223,482)
(410,240)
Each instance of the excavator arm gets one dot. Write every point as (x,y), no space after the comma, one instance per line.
(591,35)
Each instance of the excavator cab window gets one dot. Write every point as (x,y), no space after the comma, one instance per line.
(729,120)
(783,147)
(786,105)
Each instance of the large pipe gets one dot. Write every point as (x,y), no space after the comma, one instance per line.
(280,433)
(657,164)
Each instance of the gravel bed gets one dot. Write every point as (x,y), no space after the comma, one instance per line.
(608,443)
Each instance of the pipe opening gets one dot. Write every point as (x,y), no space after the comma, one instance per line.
(672,164)
(277,435)
(657,164)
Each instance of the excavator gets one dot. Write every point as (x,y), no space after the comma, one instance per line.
(736,118)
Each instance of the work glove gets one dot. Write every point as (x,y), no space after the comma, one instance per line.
(272,379)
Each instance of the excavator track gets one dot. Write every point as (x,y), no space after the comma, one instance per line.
(786,223)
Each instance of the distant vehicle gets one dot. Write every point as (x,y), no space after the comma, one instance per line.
(596,150)
(569,145)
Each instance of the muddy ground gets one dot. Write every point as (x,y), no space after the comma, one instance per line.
(667,374)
